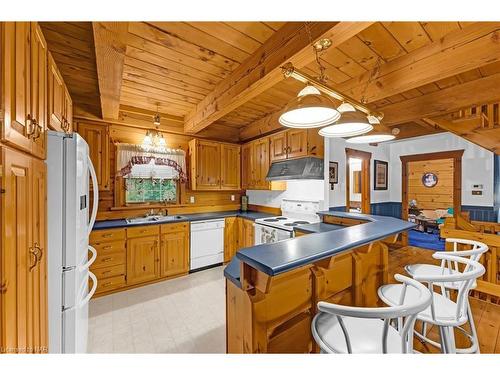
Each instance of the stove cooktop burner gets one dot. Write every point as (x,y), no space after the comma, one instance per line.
(301,222)
(271,220)
(281,218)
(291,224)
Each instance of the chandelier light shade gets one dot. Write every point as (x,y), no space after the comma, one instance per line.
(310,109)
(350,124)
(346,107)
(371,138)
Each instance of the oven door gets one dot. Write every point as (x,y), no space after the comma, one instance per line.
(266,234)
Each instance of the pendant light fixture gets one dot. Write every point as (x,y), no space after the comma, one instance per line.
(371,138)
(350,124)
(156,117)
(310,109)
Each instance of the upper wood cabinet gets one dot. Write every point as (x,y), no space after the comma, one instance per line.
(67,112)
(246,165)
(23,259)
(174,249)
(60,105)
(296,143)
(214,165)
(97,137)
(24,60)
(261,163)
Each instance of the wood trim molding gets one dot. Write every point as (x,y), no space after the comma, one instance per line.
(266,209)
(432,156)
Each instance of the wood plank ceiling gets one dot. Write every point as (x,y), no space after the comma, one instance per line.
(172,66)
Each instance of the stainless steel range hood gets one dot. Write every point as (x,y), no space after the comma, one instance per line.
(296,169)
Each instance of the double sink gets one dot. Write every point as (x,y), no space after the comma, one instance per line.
(155,219)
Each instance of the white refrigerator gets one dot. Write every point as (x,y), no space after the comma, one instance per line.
(70,221)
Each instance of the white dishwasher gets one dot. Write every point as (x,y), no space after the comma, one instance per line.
(207,243)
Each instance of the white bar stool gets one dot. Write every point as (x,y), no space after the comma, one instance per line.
(348,329)
(443,312)
(474,253)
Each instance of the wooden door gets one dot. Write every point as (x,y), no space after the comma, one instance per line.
(208,165)
(38,90)
(296,143)
(278,146)
(55,96)
(15,259)
(231,238)
(261,160)
(97,137)
(37,276)
(247,165)
(68,112)
(17,124)
(142,259)
(174,253)
(230,167)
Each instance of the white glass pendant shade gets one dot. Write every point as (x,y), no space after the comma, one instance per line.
(310,109)
(349,125)
(148,140)
(371,138)
(346,107)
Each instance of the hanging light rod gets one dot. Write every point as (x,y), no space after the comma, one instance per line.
(290,71)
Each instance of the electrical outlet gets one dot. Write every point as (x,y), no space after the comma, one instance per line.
(232,197)
(191,199)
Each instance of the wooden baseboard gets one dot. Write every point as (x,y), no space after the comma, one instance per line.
(266,209)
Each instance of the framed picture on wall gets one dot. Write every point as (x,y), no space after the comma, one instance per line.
(333,173)
(380,175)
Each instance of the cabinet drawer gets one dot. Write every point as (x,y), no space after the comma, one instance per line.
(175,227)
(97,236)
(107,258)
(112,246)
(111,271)
(110,283)
(150,230)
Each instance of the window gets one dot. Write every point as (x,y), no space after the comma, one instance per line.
(145,190)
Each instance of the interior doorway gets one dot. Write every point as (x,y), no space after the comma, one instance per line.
(358,181)
(431,191)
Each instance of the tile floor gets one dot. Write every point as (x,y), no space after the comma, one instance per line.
(183,315)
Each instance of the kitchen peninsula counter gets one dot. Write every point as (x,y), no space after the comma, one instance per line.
(272,289)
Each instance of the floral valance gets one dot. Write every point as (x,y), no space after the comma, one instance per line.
(129,155)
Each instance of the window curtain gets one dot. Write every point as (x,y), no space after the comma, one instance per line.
(129,155)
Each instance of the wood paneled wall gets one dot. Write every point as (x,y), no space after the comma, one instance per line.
(205,201)
(438,197)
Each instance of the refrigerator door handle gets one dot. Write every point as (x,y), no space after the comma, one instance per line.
(95,189)
(91,260)
(87,298)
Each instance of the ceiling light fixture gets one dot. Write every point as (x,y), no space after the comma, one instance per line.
(156,117)
(350,124)
(310,109)
(346,107)
(371,138)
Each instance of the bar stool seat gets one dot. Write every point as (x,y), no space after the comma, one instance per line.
(364,334)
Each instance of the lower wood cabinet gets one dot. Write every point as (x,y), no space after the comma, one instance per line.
(231,237)
(174,249)
(246,233)
(142,259)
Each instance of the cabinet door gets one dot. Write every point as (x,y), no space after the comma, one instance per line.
(174,254)
(37,276)
(142,259)
(97,137)
(231,236)
(15,259)
(230,167)
(296,143)
(55,96)
(68,112)
(315,143)
(38,90)
(278,146)
(208,166)
(246,233)
(261,160)
(16,78)
(247,164)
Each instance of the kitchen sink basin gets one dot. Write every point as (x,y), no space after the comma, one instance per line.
(154,219)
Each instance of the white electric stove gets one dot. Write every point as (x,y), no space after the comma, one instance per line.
(294,214)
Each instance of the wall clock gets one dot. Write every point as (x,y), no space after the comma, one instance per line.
(429,179)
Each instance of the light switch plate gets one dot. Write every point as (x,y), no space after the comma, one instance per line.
(232,197)
(191,199)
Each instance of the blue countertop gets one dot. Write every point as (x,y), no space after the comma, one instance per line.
(122,223)
(286,255)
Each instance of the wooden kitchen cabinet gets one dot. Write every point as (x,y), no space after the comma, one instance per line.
(67,112)
(231,237)
(296,143)
(261,163)
(174,249)
(56,92)
(230,167)
(214,165)
(24,60)
(246,166)
(97,137)
(246,233)
(23,260)
(142,259)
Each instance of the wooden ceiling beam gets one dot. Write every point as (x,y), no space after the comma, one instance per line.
(262,70)
(110,39)
(472,47)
